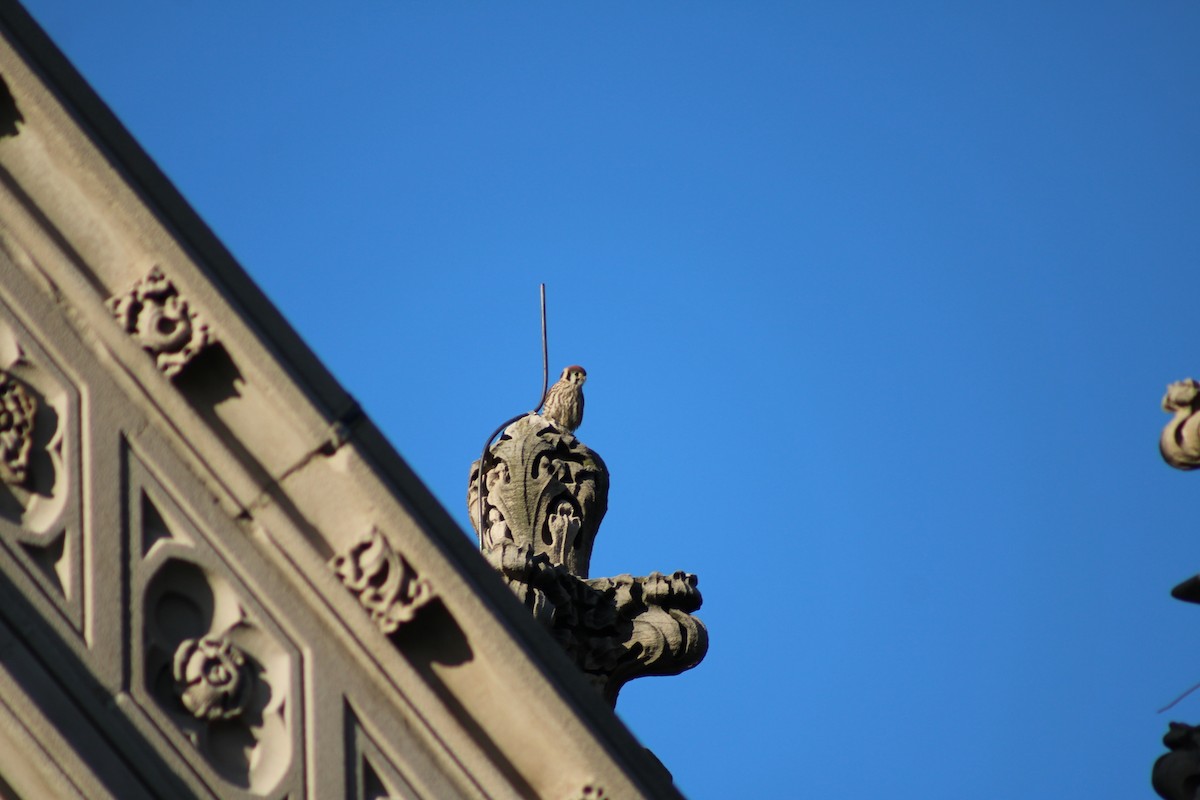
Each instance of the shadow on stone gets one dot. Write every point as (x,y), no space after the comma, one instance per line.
(10,115)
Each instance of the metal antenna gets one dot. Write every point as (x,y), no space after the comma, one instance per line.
(1177,699)
(545,386)
(545,355)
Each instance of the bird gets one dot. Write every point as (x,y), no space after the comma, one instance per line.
(564,400)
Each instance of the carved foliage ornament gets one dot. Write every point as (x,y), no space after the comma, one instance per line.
(212,678)
(17,409)
(544,490)
(162,321)
(386,585)
(545,495)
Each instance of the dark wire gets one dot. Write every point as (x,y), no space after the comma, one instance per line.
(545,386)
(1177,699)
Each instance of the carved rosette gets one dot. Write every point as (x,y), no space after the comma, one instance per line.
(162,321)
(17,411)
(545,493)
(213,667)
(212,678)
(385,583)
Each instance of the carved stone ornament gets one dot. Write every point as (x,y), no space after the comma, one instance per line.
(211,666)
(162,321)
(545,493)
(1180,441)
(17,409)
(212,678)
(386,585)
(1176,774)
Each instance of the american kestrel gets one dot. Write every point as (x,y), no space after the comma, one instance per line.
(564,400)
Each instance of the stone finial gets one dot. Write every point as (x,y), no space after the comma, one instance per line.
(544,496)
(543,490)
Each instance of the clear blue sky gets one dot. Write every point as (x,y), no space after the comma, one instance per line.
(877,301)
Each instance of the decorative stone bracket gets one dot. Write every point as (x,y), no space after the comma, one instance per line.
(545,493)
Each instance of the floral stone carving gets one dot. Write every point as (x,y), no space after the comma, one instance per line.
(386,585)
(17,409)
(218,670)
(212,678)
(544,495)
(162,321)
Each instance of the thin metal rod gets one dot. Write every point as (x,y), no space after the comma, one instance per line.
(1177,699)
(545,355)
(545,387)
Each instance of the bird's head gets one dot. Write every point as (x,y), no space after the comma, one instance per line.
(574,374)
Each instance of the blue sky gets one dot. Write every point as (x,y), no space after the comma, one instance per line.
(877,302)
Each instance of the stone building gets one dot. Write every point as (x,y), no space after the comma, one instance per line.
(217,578)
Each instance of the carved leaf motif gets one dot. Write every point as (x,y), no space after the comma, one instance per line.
(546,491)
(532,480)
(386,585)
(162,321)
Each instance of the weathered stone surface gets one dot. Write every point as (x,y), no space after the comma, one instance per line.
(545,494)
